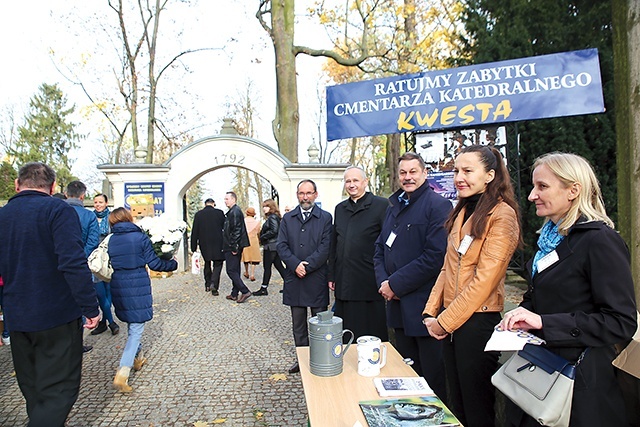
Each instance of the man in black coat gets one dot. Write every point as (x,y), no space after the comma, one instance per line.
(207,233)
(234,239)
(303,245)
(357,224)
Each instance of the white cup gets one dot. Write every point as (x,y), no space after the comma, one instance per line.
(372,355)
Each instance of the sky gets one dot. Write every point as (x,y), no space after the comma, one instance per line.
(37,35)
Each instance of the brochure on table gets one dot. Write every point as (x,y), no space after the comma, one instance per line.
(409,411)
(403,386)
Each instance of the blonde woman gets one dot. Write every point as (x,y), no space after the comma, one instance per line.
(580,292)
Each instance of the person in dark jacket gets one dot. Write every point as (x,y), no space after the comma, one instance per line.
(75,193)
(303,245)
(234,239)
(130,251)
(207,234)
(357,224)
(268,239)
(580,293)
(47,290)
(408,257)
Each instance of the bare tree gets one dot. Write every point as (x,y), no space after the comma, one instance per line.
(8,129)
(244,112)
(281,29)
(148,26)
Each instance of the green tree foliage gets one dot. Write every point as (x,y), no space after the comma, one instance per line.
(406,36)
(499,30)
(47,135)
(8,175)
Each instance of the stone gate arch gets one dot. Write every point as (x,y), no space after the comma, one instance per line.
(200,157)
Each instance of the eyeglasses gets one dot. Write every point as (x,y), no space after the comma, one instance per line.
(308,194)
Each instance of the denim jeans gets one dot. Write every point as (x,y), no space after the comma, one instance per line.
(103,291)
(134,331)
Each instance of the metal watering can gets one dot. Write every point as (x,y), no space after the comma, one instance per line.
(325,344)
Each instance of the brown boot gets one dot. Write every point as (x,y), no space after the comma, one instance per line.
(139,361)
(120,382)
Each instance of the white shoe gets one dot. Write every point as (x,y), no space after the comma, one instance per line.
(6,340)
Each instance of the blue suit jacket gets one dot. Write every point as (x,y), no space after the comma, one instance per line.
(414,260)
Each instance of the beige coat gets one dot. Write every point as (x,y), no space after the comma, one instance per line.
(474,282)
(252,252)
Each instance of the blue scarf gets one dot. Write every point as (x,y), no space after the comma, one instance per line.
(103,224)
(547,242)
(403,199)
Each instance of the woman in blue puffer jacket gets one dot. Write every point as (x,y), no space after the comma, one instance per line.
(130,251)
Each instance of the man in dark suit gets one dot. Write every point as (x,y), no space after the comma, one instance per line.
(207,233)
(303,245)
(408,257)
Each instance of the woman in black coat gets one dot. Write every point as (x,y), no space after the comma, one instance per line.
(268,238)
(580,288)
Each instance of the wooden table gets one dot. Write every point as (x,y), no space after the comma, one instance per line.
(333,401)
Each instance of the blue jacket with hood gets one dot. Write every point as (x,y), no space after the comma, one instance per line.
(130,251)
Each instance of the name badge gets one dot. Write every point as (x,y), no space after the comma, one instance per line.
(547,261)
(391,239)
(464,245)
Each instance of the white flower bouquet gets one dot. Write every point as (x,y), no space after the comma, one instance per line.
(165,234)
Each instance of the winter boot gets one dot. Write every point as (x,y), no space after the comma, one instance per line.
(114,328)
(102,326)
(139,361)
(120,382)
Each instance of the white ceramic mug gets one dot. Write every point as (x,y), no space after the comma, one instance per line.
(372,355)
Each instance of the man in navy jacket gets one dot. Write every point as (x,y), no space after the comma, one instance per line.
(408,258)
(47,290)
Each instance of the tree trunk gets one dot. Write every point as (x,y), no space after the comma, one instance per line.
(626,51)
(153,83)
(393,153)
(285,124)
(352,156)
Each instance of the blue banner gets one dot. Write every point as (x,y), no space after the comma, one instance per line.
(557,85)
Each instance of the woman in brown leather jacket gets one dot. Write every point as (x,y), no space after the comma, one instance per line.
(468,297)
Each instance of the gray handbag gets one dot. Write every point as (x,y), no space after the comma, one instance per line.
(540,383)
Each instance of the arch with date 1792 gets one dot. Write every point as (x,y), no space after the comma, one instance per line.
(169,182)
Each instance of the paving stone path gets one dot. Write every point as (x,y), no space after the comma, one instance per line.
(209,359)
(211,362)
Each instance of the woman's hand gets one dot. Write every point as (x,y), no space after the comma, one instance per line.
(434,328)
(521,318)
